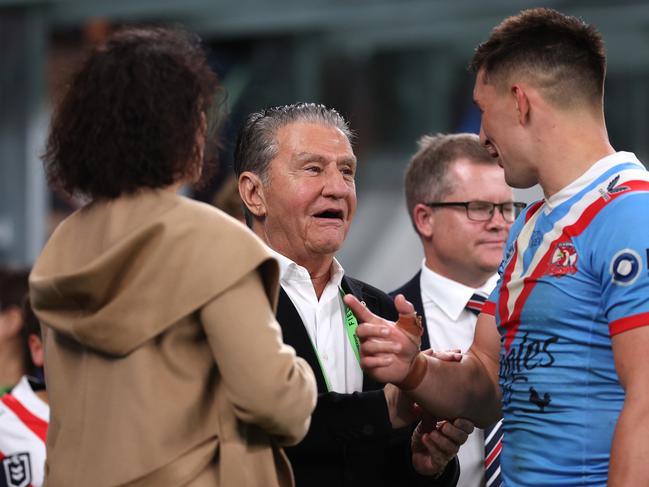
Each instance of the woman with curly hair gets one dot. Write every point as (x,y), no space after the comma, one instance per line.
(163,360)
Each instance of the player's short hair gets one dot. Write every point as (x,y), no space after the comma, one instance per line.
(426,177)
(562,55)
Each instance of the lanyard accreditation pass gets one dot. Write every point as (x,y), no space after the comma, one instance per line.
(350,324)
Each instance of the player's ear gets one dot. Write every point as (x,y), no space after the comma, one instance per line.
(522,103)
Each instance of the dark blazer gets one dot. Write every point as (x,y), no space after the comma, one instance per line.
(412,292)
(351,441)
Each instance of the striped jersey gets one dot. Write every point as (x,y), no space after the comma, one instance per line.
(23,427)
(574,275)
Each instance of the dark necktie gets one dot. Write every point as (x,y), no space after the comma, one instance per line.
(475,303)
(493,435)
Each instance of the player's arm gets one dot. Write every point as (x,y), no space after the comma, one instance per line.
(630,450)
(467,389)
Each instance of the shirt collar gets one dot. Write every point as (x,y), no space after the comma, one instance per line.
(290,271)
(450,296)
(590,175)
(25,395)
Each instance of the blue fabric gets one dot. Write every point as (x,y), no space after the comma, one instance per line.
(561,393)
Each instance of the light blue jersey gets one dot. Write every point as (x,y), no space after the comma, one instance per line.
(574,275)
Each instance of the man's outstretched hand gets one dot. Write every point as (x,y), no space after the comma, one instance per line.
(387,352)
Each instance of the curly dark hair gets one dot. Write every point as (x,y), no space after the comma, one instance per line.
(133,114)
(564,54)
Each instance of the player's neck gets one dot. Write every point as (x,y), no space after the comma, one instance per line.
(571,150)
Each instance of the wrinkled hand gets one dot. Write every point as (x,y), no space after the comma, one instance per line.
(387,353)
(435,444)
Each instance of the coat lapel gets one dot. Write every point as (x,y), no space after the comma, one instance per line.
(355,288)
(412,291)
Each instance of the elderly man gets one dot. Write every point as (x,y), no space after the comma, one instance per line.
(462,209)
(296,172)
(565,331)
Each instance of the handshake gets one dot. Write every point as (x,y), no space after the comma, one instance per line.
(390,353)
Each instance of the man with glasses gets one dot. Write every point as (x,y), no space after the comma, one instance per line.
(462,209)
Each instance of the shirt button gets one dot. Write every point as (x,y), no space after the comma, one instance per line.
(325,356)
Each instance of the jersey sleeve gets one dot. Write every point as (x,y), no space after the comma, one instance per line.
(619,253)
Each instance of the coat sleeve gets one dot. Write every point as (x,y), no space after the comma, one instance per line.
(268,385)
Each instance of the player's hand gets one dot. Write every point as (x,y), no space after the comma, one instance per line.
(452,355)
(387,352)
(435,444)
(402,411)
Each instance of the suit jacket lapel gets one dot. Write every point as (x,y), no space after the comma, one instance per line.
(295,334)
(353,287)
(412,291)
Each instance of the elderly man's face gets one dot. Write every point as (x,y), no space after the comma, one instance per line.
(310,197)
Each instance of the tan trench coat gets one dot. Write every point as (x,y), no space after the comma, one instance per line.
(163,360)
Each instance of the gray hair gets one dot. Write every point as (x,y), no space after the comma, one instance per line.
(257,141)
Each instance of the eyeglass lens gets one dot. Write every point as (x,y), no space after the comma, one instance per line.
(483,211)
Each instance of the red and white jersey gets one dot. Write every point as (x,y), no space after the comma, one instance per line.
(23,427)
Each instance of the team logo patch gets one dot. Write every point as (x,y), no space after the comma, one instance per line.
(17,469)
(625,267)
(564,260)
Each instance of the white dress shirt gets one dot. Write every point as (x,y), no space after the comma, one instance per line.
(449,326)
(324,323)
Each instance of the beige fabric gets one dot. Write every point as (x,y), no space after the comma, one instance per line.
(163,360)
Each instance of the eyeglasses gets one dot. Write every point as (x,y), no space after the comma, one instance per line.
(483,211)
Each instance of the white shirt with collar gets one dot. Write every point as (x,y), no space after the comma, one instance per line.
(324,322)
(451,325)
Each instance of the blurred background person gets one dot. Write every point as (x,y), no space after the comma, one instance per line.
(462,209)
(24,414)
(13,287)
(227,199)
(164,363)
